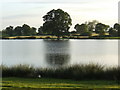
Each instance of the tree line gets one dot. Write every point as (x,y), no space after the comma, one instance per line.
(24,30)
(58,22)
(94,26)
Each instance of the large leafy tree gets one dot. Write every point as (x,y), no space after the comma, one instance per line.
(57,22)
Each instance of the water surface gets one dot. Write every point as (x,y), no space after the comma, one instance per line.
(44,53)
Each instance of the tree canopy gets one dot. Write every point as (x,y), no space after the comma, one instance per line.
(56,22)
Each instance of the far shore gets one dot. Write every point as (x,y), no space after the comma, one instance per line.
(62,38)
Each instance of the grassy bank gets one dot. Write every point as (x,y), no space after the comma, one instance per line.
(12,83)
(75,72)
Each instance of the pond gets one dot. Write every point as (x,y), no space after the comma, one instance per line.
(49,53)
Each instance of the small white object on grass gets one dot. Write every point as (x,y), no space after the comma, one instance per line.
(39,76)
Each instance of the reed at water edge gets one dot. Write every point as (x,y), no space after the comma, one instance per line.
(75,72)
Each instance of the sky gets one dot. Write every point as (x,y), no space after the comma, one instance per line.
(119,12)
(19,12)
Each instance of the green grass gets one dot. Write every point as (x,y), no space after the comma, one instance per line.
(37,83)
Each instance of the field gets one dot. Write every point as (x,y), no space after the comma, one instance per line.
(12,83)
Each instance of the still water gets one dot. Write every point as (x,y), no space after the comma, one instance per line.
(44,53)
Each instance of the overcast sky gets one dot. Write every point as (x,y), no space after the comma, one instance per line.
(19,12)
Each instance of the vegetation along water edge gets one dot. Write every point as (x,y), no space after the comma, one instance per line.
(76,77)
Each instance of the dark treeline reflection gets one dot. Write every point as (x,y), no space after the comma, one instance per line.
(57,53)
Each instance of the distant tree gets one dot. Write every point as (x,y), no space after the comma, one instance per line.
(26,30)
(117,27)
(40,30)
(8,31)
(18,31)
(77,27)
(0,32)
(57,22)
(81,28)
(101,29)
(4,33)
(33,31)
(113,32)
(91,25)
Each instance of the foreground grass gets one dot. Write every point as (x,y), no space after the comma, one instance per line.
(12,83)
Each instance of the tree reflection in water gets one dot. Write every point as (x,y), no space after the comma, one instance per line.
(57,60)
(57,53)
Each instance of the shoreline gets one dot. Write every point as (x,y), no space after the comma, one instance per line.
(46,38)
